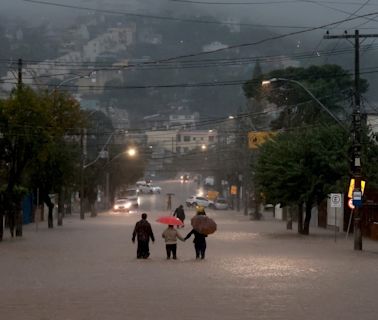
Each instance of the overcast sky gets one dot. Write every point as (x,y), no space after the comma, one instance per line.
(278,12)
(289,13)
(274,13)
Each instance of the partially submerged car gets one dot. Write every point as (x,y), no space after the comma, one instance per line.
(122,205)
(194,201)
(220,204)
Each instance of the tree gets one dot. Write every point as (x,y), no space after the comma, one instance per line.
(329,83)
(35,147)
(18,143)
(99,130)
(296,108)
(370,159)
(303,167)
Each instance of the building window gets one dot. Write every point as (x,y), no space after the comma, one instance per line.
(179,138)
(187,138)
(186,149)
(211,138)
(194,138)
(201,138)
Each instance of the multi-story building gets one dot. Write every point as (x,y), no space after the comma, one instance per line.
(162,140)
(189,140)
(183,118)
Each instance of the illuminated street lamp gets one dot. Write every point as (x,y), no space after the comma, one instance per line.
(103,154)
(268,82)
(131,152)
(203,147)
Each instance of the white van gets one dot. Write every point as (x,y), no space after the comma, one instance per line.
(131,195)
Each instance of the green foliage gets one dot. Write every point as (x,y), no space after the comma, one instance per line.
(329,83)
(303,166)
(39,139)
(370,160)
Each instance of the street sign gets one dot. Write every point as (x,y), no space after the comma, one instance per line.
(357,198)
(256,138)
(234,190)
(335,200)
(350,204)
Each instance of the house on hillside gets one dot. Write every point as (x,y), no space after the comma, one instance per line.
(114,40)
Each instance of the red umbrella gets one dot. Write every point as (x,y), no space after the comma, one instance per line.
(170,220)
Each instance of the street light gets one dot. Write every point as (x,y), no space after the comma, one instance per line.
(131,152)
(83,153)
(268,82)
(103,154)
(77,76)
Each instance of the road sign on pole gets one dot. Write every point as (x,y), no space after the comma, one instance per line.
(357,198)
(335,203)
(335,200)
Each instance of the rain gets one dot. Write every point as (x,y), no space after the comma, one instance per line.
(196,159)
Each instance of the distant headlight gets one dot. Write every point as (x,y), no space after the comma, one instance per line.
(116,207)
(128,205)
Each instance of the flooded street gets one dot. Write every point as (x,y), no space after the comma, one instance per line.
(253,270)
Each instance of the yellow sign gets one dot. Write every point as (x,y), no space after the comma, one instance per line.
(256,138)
(234,190)
(212,195)
(351,188)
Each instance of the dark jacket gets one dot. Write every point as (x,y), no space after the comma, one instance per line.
(179,213)
(143,231)
(198,237)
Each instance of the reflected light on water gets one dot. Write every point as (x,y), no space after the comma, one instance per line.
(252,267)
(236,236)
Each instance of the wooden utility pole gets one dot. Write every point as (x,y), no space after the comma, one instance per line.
(356,134)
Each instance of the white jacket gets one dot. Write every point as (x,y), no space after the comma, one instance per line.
(171,235)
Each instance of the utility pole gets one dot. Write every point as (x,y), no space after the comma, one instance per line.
(356,134)
(82,167)
(19,75)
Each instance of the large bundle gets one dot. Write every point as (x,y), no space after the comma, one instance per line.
(203,224)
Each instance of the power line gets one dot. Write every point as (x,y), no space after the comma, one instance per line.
(214,83)
(245,44)
(236,3)
(334,27)
(137,15)
(187,63)
(268,2)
